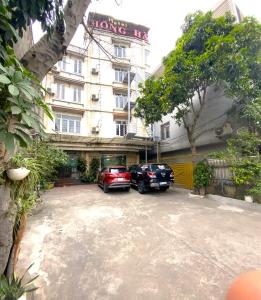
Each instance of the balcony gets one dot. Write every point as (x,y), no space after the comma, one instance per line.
(66,106)
(73,78)
(119,114)
(120,62)
(75,50)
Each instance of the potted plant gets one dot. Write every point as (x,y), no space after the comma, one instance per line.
(17,173)
(18,170)
(202,176)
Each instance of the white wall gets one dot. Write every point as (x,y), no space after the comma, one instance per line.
(213,116)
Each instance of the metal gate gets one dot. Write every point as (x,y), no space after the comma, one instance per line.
(183,174)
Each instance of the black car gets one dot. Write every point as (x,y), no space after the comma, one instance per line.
(151,176)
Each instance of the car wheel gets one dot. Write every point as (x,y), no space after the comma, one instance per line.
(127,189)
(141,188)
(105,188)
(163,189)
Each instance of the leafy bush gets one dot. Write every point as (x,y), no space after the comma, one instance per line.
(81,165)
(243,156)
(202,175)
(42,160)
(94,166)
(91,176)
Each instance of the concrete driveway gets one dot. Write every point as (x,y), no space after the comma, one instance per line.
(89,245)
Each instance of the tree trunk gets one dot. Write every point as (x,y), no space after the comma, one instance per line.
(45,53)
(192,144)
(7,220)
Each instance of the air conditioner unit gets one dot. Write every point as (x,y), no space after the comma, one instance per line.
(95,129)
(223,131)
(50,91)
(55,69)
(95,97)
(95,71)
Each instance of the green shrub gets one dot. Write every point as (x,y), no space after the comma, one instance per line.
(42,160)
(81,165)
(91,176)
(243,156)
(202,175)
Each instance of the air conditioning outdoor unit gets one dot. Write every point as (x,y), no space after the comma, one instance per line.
(95,129)
(50,91)
(223,131)
(95,71)
(95,97)
(55,69)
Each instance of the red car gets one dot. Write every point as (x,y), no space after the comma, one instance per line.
(114,177)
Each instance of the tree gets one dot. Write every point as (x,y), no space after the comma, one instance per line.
(211,51)
(21,92)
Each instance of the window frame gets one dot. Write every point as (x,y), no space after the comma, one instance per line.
(77,94)
(77,66)
(62,64)
(122,131)
(120,74)
(121,99)
(165,131)
(62,120)
(60,91)
(120,51)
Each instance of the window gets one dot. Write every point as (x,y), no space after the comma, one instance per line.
(60,91)
(62,64)
(121,128)
(120,74)
(155,167)
(67,124)
(77,66)
(119,51)
(77,94)
(118,170)
(121,100)
(165,131)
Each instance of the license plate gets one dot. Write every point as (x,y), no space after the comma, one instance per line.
(120,179)
(163,183)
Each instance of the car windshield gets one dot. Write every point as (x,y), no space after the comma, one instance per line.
(118,170)
(156,167)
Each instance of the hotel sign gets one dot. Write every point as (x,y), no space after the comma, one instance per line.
(107,23)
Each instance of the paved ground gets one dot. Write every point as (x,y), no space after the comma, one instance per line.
(89,245)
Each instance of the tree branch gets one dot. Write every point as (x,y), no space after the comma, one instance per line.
(197,114)
(40,58)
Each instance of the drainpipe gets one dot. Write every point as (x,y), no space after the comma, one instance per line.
(158,152)
(146,153)
(129,101)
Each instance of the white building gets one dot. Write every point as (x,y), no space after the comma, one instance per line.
(212,128)
(88,92)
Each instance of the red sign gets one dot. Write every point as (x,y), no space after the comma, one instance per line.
(107,23)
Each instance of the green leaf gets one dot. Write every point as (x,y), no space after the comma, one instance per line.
(13,90)
(27,119)
(16,110)
(1,67)
(21,142)
(4,79)
(9,142)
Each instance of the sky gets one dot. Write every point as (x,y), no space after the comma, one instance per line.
(164,18)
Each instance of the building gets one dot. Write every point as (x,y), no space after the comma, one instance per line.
(213,128)
(93,90)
